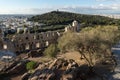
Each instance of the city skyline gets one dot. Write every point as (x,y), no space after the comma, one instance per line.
(42,6)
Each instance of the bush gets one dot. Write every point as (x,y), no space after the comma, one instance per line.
(92,43)
(30,65)
(51,51)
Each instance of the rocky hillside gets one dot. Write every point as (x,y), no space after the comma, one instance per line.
(61,69)
(55,69)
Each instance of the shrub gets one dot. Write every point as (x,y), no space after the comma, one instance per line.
(92,43)
(51,51)
(30,65)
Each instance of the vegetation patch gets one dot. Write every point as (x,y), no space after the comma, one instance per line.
(31,65)
(51,51)
(65,18)
(94,44)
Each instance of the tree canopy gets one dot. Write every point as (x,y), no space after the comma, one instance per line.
(63,18)
(51,51)
(30,65)
(91,43)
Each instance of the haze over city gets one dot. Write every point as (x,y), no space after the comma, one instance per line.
(42,6)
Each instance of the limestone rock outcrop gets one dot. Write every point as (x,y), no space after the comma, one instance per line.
(58,69)
(16,67)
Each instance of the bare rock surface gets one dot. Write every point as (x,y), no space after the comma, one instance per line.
(58,69)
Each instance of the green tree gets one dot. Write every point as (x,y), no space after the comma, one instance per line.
(56,18)
(91,43)
(30,65)
(51,51)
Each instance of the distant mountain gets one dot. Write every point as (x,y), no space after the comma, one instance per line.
(63,18)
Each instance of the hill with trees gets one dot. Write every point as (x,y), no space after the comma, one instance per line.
(65,18)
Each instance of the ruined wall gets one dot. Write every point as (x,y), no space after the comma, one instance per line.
(74,28)
(5,44)
(1,44)
(8,45)
(29,41)
(1,39)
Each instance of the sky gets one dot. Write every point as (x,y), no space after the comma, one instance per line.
(43,6)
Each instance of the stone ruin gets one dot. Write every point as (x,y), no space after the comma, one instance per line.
(57,69)
(33,41)
(28,41)
(75,27)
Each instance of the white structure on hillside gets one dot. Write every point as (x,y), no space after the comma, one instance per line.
(75,27)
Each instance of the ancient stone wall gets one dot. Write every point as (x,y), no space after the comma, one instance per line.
(28,41)
(23,42)
(75,27)
(1,39)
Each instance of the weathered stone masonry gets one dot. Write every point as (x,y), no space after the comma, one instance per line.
(28,41)
(33,41)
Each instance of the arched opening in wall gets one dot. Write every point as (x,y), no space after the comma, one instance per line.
(17,47)
(5,46)
(27,47)
(22,47)
(41,36)
(47,35)
(1,45)
(38,45)
(47,43)
(37,37)
(20,40)
(53,34)
(32,45)
(34,36)
(0,31)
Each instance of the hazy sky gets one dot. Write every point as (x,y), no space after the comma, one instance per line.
(42,6)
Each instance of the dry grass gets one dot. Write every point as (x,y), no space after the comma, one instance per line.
(73,55)
(40,59)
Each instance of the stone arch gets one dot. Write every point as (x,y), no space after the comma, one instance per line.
(47,43)
(37,45)
(27,47)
